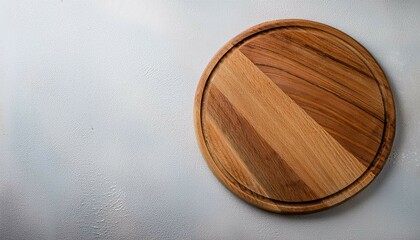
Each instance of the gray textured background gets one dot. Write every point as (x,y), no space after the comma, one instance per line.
(96,128)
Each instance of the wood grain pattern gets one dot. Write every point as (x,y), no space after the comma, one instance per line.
(294,116)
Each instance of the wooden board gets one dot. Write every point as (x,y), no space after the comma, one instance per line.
(294,116)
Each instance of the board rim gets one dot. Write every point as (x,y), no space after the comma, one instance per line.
(340,196)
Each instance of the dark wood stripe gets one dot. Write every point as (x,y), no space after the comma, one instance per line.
(229,161)
(315,43)
(272,172)
(344,78)
(336,95)
(250,48)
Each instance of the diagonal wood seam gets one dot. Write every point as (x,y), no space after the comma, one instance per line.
(239,75)
(310,70)
(233,124)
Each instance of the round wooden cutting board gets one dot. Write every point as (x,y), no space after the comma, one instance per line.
(294,116)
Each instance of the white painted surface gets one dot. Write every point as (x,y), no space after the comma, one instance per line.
(96,129)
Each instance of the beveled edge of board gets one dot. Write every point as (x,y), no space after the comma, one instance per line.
(332,200)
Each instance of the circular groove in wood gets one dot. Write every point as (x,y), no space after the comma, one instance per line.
(294,116)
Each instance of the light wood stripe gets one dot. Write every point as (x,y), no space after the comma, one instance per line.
(353,128)
(325,166)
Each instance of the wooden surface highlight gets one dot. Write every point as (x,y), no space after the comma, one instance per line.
(294,116)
